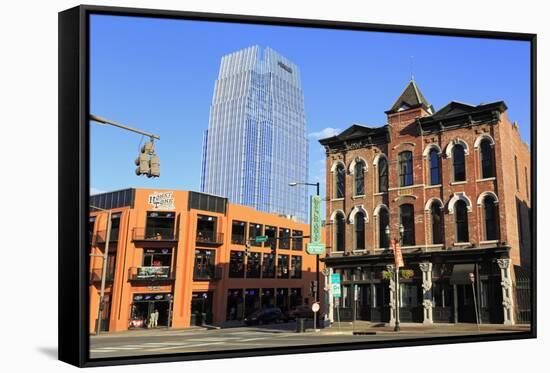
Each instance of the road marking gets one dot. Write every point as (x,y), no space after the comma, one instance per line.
(252,339)
(184,346)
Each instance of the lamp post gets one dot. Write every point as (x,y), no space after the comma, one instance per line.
(317,185)
(104,269)
(396,274)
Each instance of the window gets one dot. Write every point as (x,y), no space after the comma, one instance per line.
(442,294)
(271,233)
(296,269)
(459,163)
(236,264)
(383,222)
(340,234)
(206,228)
(461,221)
(238,232)
(268,268)
(160,225)
(436,217)
(435,168)
(520,221)
(204,265)
(115,227)
(360,231)
(157,257)
(340,181)
(91,224)
(253,267)
(405,168)
(517,176)
(490,218)
(255,230)
(297,243)
(382,175)
(406,214)
(284,238)
(409,295)
(486,157)
(359,178)
(282,266)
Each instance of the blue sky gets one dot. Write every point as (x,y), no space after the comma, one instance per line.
(158,75)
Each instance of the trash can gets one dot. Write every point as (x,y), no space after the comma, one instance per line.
(300,325)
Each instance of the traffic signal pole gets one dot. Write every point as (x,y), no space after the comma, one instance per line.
(101,120)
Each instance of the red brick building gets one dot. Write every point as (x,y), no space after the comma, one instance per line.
(454,186)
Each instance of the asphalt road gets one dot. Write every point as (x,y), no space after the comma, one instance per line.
(184,341)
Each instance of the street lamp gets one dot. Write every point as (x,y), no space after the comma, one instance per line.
(317,185)
(104,269)
(396,274)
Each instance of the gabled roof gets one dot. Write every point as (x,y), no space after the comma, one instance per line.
(410,98)
(453,108)
(358,132)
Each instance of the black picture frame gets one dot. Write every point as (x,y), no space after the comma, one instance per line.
(74,180)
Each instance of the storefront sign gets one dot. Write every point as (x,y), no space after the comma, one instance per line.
(398,256)
(153,272)
(315,219)
(162,200)
(335,285)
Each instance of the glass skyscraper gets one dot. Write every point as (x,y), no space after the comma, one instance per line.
(256,139)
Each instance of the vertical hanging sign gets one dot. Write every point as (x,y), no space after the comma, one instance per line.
(315,246)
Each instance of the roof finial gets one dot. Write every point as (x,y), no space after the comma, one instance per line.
(412,68)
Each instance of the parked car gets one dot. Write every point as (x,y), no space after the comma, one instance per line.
(302,311)
(264,316)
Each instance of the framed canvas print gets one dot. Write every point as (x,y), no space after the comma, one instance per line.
(235,186)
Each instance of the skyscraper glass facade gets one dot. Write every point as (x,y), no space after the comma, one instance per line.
(256,139)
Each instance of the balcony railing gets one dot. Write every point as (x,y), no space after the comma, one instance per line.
(151,273)
(154,234)
(96,273)
(209,273)
(238,239)
(209,238)
(101,236)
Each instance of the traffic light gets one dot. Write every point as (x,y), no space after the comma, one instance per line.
(247,249)
(313,288)
(148,162)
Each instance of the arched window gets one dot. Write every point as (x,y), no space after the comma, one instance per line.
(340,235)
(382,175)
(405,168)
(435,169)
(436,215)
(383,222)
(486,158)
(406,215)
(359,178)
(490,215)
(340,181)
(459,164)
(461,221)
(359,231)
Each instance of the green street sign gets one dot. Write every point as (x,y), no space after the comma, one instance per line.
(315,222)
(259,239)
(315,248)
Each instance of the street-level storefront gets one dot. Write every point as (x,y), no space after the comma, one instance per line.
(201,307)
(144,306)
(433,287)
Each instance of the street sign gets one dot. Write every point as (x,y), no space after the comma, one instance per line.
(259,239)
(315,248)
(335,285)
(315,307)
(315,222)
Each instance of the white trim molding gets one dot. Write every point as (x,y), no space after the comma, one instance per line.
(377,158)
(459,196)
(335,164)
(481,137)
(452,143)
(379,207)
(354,211)
(428,148)
(355,161)
(333,215)
(428,205)
(485,194)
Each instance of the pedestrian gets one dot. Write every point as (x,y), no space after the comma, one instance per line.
(156,318)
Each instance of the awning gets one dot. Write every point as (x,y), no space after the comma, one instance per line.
(461,274)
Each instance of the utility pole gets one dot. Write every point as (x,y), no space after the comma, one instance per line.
(103,270)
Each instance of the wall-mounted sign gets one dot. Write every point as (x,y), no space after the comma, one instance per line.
(162,200)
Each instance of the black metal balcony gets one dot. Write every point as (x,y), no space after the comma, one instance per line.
(154,234)
(151,273)
(96,273)
(209,238)
(208,273)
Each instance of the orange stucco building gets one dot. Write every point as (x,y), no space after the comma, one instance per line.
(184,254)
